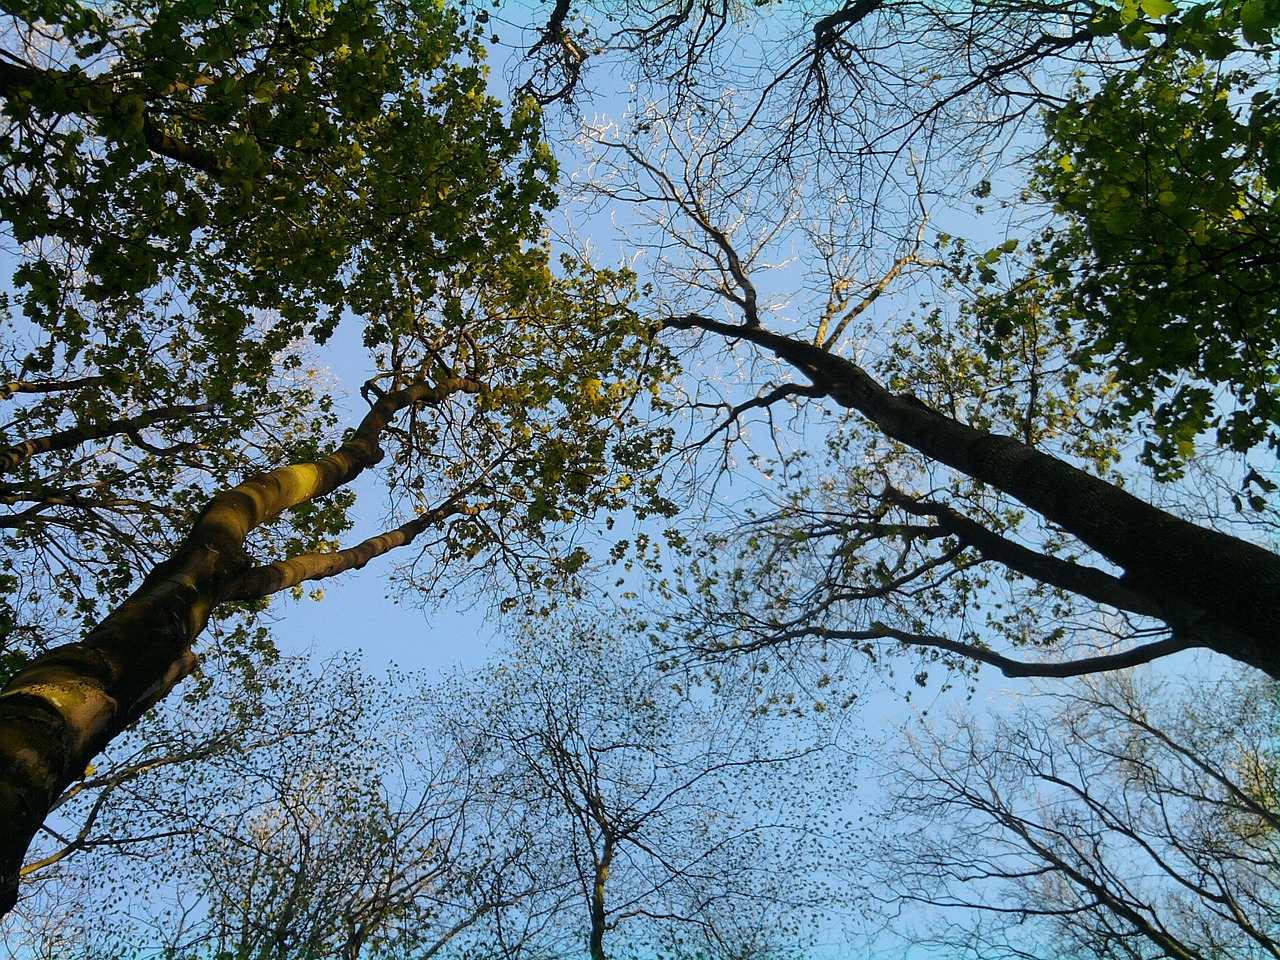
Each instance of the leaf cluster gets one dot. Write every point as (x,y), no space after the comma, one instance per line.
(1167,174)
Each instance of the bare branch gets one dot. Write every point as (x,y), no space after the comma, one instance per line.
(1019,668)
(1218,589)
(1074,577)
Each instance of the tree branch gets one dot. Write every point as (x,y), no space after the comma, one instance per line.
(273,577)
(7,390)
(1221,590)
(831,27)
(62,708)
(1077,578)
(1021,668)
(14,456)
(763,401)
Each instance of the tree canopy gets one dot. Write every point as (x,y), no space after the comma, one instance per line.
(976,298)
(991,418)
(261,212)
(1167,174)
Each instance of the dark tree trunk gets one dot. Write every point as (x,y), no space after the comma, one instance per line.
(1212,589)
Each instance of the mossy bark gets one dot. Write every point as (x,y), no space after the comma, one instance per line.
(57,713)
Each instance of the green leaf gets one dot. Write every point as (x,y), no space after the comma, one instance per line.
(1158,8)
(1255,22)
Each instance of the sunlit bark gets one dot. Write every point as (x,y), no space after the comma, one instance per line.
(62,709)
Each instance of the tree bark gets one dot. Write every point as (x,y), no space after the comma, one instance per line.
(57,713)
(19,453)
(599,915)
(1212,589)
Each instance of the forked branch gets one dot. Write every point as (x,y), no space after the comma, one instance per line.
(1211,589)
(66,705)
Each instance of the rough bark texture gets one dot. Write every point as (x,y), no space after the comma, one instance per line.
(61,710)
(1210,588)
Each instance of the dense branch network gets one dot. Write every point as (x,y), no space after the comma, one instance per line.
(1129,818)
(1209,588)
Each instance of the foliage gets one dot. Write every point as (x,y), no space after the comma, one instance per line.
(1167,174)
(562,429)
(262,157)
(190,212)
(195,190)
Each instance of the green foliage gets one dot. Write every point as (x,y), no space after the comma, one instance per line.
(265,156)
(198,188)
(87,518)
(1168,174)
(560,431)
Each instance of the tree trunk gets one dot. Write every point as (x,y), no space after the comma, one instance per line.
(598,913)
(1217,590)
(57,713)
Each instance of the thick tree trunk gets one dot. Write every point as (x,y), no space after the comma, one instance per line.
(61,710)
(1217,590)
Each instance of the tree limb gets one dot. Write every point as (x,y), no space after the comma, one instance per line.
(273,577)
(14,456)
(1022,668)
(1089,582)
(1218,589)
(827,30)
(64,706)
(7,390)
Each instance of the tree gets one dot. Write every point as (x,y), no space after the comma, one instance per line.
(194,191)
(1117,818)
(64,706)
(401,192)
(658,810)
(258,158)
(305,820)
(983,452)
(337,813)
